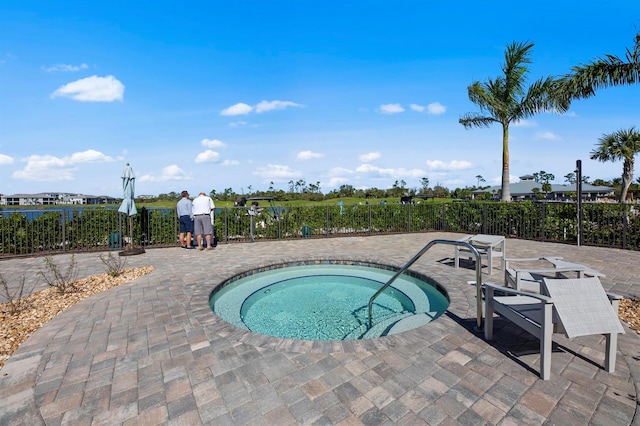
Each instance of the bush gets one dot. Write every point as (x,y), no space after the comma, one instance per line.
(65,282)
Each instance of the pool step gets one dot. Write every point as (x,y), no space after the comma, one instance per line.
(392,325)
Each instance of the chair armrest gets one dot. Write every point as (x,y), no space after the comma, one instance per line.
(522,259)
(509,290)
(546,270)
(614,296)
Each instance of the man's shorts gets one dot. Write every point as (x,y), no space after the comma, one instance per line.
(186,224)
(202,225)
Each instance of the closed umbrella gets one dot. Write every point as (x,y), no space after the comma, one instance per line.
(128,205)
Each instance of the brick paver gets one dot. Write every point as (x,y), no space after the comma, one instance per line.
(152,352)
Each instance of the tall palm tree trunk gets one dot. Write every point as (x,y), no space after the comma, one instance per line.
(506,189)
(627,176)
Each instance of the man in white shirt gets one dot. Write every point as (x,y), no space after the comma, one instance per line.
(202,208)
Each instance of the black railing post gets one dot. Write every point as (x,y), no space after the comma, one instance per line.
(326,221)
(225,221)
(625,221)
(485,214)
(579,199)
(544,220)
(64,228)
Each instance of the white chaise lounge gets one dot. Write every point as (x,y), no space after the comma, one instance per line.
(575,307)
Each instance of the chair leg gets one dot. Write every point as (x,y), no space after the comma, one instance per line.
(546,341)
(610,354)
(488,314)
(489,262)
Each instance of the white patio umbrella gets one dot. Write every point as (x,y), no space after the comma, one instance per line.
(128,205)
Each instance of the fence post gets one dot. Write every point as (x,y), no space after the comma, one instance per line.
(484,217)
(225,221)
(326,221)
(579,200)
(625,221)
(444,217)
(64,237)
(544,220)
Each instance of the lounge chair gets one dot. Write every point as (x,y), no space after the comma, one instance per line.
(489,247)
(529,279)
(576,307)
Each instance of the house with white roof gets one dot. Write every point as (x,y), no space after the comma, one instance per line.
(528,188)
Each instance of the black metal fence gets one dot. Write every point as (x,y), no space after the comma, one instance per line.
(58,230)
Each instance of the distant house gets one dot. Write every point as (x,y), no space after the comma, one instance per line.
(527,187)
(53,198)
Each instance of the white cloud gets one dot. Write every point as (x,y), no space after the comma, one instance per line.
(213,143)
(547,136)
(208,156)
(389,172)
(237,123)
(308,155)
(497,181)
(391,108)
(436,108)
(5,159)
(237,109)
(172,172)
(416,107)
(89,155)
(265,106)
(336,181)
(451,165)
(277,173)
(92,89)
(49,167)
(340,171)
(66,68)
(524,123)
(369,157)
(230,163)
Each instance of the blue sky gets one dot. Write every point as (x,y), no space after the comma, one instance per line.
(215,95)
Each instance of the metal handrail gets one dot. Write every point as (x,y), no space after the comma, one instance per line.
(471,248)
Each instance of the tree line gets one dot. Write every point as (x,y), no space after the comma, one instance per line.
(399,189)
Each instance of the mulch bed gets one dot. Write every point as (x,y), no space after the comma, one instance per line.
(38,308)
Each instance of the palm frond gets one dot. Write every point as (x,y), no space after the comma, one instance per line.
(603,72)
(471,120)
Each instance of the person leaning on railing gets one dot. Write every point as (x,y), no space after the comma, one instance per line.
(202,208)
(185,213)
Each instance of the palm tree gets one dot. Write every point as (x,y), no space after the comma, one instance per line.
(620,145)
(602,72)
(506,100)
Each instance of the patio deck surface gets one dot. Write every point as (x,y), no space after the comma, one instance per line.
(151,351)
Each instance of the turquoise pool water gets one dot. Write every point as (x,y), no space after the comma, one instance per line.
(327,302)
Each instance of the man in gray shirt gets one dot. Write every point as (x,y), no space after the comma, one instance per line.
(185,213)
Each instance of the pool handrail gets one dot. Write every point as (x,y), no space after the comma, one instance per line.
(473,251)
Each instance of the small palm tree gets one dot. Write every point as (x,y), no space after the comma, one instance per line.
(620,145)
(506,100)
(603,72)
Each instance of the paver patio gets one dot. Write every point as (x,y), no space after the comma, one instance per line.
(152,352)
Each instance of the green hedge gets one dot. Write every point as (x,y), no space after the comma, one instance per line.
(24,232)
